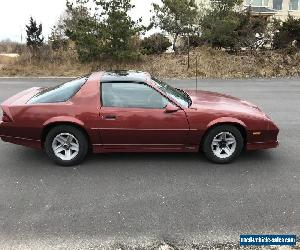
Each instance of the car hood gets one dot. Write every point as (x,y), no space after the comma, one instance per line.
(221,102)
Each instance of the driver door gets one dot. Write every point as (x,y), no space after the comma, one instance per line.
(133,116)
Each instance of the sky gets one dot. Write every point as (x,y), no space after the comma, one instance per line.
(14,14)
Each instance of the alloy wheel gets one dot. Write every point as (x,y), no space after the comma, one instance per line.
(224,145)
(65,146)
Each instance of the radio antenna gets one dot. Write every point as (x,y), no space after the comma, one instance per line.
(196,73)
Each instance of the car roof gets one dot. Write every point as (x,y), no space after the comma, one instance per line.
(125,75)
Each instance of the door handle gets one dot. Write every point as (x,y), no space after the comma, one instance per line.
(109,117)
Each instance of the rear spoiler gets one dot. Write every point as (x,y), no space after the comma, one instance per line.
(18,100)
(22,97)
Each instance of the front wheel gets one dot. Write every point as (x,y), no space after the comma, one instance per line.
(66,145)
(223,144)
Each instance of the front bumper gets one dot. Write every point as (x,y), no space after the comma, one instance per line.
(263,139)
(262,145)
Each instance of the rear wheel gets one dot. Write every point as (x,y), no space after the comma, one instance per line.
(223,144)
(66,145)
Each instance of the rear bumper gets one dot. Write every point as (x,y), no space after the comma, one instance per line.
(7,136)
(262,145)
(22,141)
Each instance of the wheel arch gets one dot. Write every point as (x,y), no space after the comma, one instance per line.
(241,126)
(48,126)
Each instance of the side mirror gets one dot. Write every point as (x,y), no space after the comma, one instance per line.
(170,108)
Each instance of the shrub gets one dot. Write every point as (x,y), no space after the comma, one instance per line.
(195,41)
(254,31)
(288,34)
(221,32)
(236,30)
(155,44)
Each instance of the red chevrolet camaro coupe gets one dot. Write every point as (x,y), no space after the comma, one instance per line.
(129,111)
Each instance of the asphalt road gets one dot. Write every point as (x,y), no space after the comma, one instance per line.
(145,198)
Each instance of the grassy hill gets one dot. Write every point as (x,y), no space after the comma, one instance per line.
(211,64)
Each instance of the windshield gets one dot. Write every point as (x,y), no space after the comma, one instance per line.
(179,95)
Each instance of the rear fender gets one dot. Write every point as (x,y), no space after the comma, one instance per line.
(61,119)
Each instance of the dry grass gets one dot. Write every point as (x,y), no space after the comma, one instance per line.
(211,64)
(4,60)
(49,64)
(45,69)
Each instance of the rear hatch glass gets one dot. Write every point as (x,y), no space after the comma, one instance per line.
(60,93)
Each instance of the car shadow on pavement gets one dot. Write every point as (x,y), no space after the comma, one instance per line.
(259,155)
(33,159)
(175,160)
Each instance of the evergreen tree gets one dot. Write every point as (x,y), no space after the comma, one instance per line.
(176,17)
(84,30)
(221,23)
(119,29)
(34,35)
(108,33)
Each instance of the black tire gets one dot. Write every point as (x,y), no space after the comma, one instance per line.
(78,134)
(207,143)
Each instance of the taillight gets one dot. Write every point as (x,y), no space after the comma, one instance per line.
(5,118)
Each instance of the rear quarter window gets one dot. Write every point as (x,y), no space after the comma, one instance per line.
(60,93)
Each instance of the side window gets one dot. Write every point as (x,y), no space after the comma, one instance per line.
(131,95)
